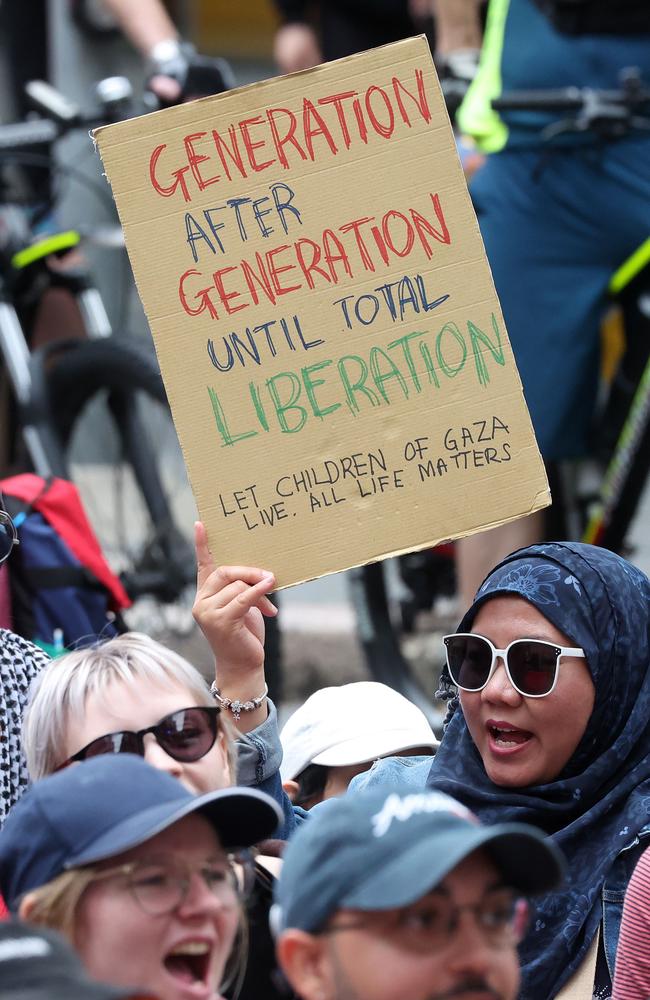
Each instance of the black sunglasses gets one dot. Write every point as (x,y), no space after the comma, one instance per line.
(532,665)
(186,735)
(8,535)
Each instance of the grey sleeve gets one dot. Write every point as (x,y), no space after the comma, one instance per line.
(259,753)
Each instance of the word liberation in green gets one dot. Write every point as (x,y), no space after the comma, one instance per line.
(288,400)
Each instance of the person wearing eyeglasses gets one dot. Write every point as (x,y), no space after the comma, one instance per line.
(552,668)
(131,694)
(135,871)
(229,606)
(386,895)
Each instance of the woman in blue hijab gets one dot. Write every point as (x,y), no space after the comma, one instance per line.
(556,733)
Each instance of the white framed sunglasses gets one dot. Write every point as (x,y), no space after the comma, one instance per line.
(532,665)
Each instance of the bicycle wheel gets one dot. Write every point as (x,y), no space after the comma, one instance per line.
(626,476)
(399,623)
(108,408)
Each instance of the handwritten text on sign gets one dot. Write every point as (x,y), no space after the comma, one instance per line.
(331,342)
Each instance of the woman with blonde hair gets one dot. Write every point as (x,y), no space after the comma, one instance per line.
(135,871)
(132,694)
(82,703)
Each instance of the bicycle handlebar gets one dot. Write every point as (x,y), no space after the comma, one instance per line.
(57,116)
(566,99)
(570,99)
(29,133)
(610,114)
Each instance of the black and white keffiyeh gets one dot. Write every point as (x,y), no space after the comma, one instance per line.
(20,662)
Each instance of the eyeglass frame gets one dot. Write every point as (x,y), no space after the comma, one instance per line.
(502,654)
(243,858)
(213,713)
(7,519)
(520,912)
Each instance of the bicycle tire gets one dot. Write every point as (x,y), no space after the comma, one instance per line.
(619,524)
(122,373)
(626,475)
(380,639)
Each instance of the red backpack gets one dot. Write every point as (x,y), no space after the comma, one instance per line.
(63,592)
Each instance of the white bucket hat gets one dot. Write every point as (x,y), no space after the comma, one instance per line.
(352,724)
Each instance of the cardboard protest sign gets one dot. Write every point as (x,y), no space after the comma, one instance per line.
(325,319)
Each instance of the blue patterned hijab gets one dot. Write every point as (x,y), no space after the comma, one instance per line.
(601,800)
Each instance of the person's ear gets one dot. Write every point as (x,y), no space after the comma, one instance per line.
(304,960)
(291,788)
(26,906)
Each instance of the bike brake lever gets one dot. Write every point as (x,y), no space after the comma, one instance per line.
(559,128)
(46,98)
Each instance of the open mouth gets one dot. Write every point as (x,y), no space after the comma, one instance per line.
(507,737)
(189,962)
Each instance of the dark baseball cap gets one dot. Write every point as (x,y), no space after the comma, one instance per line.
(379,850)
(106,805)
(37,964)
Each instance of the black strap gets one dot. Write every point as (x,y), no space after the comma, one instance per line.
(50,577)
(19,506)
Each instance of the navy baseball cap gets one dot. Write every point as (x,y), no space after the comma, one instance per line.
(379,850)
(37,964)
(109,804)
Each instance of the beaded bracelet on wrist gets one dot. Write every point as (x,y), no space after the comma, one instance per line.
(235,705)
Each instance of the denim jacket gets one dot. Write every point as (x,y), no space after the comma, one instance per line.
(400,774)
(614,893)
(259,755)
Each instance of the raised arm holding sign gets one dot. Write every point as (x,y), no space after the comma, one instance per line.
(332,346)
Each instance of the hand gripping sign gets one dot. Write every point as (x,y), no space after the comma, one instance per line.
(324,315)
